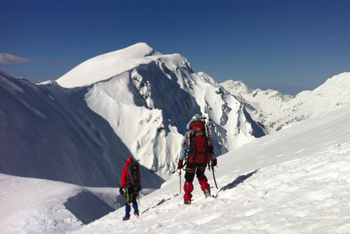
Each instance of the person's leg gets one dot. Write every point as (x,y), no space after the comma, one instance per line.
(188,187)
(134,203)
(127,210)
(127,204)
(202,179)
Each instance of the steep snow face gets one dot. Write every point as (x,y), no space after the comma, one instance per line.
(149,106)
(107,65)
(49,132)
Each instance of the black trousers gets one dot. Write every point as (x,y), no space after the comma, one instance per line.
(194,168)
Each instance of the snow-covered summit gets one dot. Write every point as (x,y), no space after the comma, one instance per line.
(237,88)
(107,65)
(207,77)
(135,97)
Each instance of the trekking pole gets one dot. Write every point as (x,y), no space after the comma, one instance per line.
(212,168)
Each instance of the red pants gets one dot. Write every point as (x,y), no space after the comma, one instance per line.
(189,176)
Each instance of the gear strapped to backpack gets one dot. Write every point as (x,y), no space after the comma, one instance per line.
(199,143)
(134,176)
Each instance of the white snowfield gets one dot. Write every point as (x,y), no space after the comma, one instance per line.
(293,181)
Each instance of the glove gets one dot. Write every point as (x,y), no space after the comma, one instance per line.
(214,162)
(121,191)
(211,150)
(179,164)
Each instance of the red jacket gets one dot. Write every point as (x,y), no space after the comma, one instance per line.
(125,175)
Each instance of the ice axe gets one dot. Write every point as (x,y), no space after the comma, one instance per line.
(212,168)
(180,180)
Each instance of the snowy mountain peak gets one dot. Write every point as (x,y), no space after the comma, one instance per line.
(133,102)
(207,77)
(107,65)
(259,103)
(237,88)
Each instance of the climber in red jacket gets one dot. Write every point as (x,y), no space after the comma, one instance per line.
(131,183)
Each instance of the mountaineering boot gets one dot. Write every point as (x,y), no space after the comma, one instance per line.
(207,192)
(126,218)
(188,202)
(136,213)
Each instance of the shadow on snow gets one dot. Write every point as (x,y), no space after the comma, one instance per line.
(240,179)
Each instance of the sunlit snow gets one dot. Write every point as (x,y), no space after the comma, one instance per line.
(63,146)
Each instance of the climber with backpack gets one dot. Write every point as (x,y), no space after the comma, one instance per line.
(198,151)
(130,186)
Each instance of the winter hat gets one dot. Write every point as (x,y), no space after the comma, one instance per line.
(128,161)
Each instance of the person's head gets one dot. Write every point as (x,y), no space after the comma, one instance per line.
(199,117)
(128,161)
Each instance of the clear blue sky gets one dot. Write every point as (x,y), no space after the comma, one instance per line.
(288,46)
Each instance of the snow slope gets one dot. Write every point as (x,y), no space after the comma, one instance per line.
(49,132)
(334,92)
(30,205)
(292,181)
(295,180)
